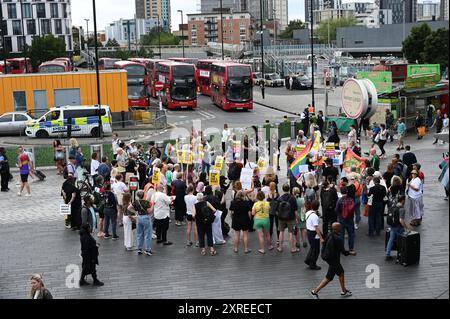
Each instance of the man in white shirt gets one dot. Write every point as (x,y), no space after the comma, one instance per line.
(115,144)
(226,133)
(162,214)
(119,188)
(315,236)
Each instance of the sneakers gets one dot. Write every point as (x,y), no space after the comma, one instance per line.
(167,243)
(148,253)
(197,244)
(314,294)
(389,258)
(315,267)
(28,195)
(107,236)
(98,283)
(83,282)
(19,194)
(139,252)
(115,237)
(154,236)
(347,293)
(189,244)
(356,226)
(222,242)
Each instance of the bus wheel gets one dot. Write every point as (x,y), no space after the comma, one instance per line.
(94,132)
(42,134)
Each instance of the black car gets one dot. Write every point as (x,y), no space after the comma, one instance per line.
(300,82)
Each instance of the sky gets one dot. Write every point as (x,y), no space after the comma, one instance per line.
(111,10)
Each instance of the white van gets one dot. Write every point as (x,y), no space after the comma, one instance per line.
(84,122)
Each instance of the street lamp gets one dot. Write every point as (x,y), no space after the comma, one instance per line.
(97,73)
(2,30)
(182,31)
(159,36)
(221,28)
(262,47)
(404,23)
(312,53)
(87,43)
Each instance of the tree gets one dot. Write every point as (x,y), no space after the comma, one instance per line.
(414,44)
(91,43)
(46,48)
(112,43)
(436,48)
(330,26)
(152,38)
(288,33)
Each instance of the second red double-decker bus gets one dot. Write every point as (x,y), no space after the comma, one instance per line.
(180,87)
(185,60)
(4,70)
(232,85)
(20,65)
(137,79)
(106,63)
(151,70)
(203,73)
(55,66)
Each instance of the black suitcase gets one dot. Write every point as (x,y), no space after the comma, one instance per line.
(408,248)
(40,175)
(386,240)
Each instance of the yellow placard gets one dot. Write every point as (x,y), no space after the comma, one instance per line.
(200,148)
(219,163)
(329,146)
(187,157)
(156,176)
(180,156)
(214,178)
(201,155)
(261,163)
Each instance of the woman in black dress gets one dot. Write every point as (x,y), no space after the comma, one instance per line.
(240,210)
(89,253)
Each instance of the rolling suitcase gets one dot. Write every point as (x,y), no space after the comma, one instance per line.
(408,252)
(386,240)
(40,175)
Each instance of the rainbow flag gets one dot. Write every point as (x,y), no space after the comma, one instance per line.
(300,160)
(168,149)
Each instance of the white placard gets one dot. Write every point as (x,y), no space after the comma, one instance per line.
(246,178)
(204,73)
(64,209)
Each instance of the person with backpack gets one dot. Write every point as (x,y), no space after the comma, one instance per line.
(345,210)
(331,254)
(110,211)
(203,213)
(396,221)
(376,196)
(315,237)
(358,188)
(143,209)
(261,222)
(272,197)
(328,198)
(72,197)
(287,218)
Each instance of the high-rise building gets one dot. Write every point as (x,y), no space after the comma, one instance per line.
(281,13)
(397,10)
(126,31)
(444,10)
(320,5)
(250,6)
(151,9)
(25,20)
(428,10)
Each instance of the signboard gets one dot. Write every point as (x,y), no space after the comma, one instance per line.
(156,176)
(424,81)
(422,69)
(134,183)
(161,78)
(64,209)
(219,163)
(159,86)
(246,178)
(299,148)
(187,157)
(204,73)
(180,156)
(381,79)
(354,98)
(214,178)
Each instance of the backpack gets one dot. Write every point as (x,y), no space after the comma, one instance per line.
(348,208)
(284,210)
(310,195)
(358,190)
(393,217)
(233,172)
(327,249)
(207,215)
(327,198)
(108,203)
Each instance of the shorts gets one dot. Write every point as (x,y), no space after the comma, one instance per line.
(24,178)
(282,224)
(101,213)
(189,218)
(261,223)
(334,269)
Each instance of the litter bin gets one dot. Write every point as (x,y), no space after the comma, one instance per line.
(284,129)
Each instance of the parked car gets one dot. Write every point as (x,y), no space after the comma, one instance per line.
(257,78)
(273,79)
(302,82)
(14,123)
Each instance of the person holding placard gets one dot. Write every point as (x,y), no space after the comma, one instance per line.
(72,197)
(190,199)
(161,204)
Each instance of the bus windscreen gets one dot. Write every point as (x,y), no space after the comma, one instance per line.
(135,70)
(184,71)
(238,72)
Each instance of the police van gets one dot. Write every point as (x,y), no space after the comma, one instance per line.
(84,121)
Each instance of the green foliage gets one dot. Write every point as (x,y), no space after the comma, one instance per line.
(331,25)
(91,43)
(112,43)
(153,38)
(436,48)
(288,33)
(414,44)
(46,48)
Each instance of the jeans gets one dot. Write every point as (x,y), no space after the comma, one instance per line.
(357,210)
(144,232)
(375,216)
(314,249)
(111,217)
(205,229)
(381,146)
(206,167)
(162,226)
(349,226)
(4,180)
(274,220)
(395,231)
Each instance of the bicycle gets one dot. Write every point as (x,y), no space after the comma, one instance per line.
(84,185)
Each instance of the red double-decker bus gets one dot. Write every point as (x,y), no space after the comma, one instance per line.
(180,87)
(203,73)
(185,60)
(151,69)
(2,67)
(20,65)
(55,66)
(137,79)
(232,85)
(106,63)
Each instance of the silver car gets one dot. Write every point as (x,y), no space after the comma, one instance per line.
(14,123)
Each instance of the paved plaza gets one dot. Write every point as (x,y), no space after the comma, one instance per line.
(33,239)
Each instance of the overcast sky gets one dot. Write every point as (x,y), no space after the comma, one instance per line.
(111,10)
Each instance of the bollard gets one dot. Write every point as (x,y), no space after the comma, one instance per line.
(122,115)
(69,127)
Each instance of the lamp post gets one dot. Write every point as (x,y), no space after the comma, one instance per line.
(221,28)
(404,23)
(182,31)
(312,53)
(2,30)
(97,73)
(159,36)
(24,37)
(262,47)
(87,43)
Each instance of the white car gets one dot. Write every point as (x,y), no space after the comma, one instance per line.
(14,123)
(273,79)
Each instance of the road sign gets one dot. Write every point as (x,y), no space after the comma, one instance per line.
(159,86)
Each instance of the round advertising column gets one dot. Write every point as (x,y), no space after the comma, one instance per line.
(354,98)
